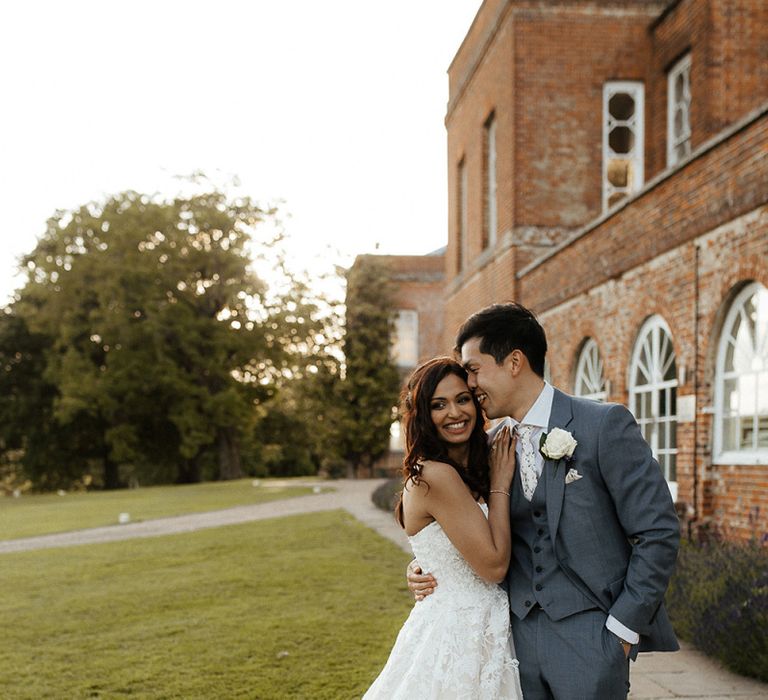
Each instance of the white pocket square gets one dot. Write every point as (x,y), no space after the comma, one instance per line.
(572,476)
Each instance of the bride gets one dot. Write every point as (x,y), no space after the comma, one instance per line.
(454,507)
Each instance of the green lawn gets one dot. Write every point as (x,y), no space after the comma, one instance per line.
(46,513)
(299,607)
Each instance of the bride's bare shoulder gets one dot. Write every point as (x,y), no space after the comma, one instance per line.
(434,475)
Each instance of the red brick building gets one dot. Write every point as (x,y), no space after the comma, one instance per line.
(608,167)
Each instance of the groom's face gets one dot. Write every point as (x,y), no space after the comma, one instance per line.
(492,384)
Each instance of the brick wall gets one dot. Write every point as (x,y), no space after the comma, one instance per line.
(612,313)
(718,184)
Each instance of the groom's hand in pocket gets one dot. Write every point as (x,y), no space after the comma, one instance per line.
(420,584)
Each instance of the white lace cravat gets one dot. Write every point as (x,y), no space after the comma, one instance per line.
(528,474)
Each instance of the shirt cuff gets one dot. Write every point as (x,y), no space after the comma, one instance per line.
(621,631)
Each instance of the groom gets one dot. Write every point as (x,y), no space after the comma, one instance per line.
(594,529)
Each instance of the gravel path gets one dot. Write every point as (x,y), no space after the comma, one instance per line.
(351,495)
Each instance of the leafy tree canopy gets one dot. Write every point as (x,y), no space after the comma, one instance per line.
(144,343)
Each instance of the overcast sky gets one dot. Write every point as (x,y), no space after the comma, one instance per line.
(335,107)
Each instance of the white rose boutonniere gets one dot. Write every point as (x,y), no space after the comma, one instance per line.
(557,444)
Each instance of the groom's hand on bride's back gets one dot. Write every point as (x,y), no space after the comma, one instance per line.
(421,585)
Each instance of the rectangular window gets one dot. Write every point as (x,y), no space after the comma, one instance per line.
(679,111)
(461,199)
(623,140)
(489,158)
(405,342)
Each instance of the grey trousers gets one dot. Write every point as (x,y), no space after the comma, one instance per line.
(576,658)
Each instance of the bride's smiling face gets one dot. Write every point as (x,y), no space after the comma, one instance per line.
(452,410)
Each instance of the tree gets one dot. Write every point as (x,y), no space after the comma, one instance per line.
(27,421)
(156,340)
(369,391)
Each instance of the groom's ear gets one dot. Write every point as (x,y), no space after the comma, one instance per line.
(514,362)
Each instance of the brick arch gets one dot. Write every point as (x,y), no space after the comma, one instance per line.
(567,352)
(750,269)
(634,325)
(588,331)
(733,285)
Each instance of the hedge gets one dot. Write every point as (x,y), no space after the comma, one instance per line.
(385,496)
(718,600)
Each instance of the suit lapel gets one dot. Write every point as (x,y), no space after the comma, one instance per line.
(560,417)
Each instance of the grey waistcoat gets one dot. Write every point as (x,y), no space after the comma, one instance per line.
(534,575)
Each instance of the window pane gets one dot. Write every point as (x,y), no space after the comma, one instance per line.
(621,106)
(730,397)
(618,172)
(746,435)
(679,123)
(679,87)
(762,432)
(672,468)
(621,139)
(647,399)
(405,343)
(730,434)
(673,434)
(729,354)
(615,198)
(671,370)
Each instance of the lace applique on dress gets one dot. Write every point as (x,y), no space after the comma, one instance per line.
(456,643)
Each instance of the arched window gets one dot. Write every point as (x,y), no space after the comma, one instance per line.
(590,381)
(741,380)
(653,394)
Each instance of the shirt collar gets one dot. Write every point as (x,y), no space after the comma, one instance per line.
(538,415)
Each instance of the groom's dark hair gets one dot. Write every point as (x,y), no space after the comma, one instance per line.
(503,328)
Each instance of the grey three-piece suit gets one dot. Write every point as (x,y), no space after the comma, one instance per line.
(604,543)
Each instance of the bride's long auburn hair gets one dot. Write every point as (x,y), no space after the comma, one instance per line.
(422,442)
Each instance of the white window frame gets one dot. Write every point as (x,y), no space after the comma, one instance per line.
(656,336)
(682,67)
(463,222)
(491,208)
(405,350)
(636,122)
(590,373)
(760,343)
(396,437)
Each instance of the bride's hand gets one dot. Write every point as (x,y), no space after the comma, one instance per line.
(502,459)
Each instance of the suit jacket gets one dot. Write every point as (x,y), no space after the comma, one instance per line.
(615,531)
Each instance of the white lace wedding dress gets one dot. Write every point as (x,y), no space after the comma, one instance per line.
(456,642)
